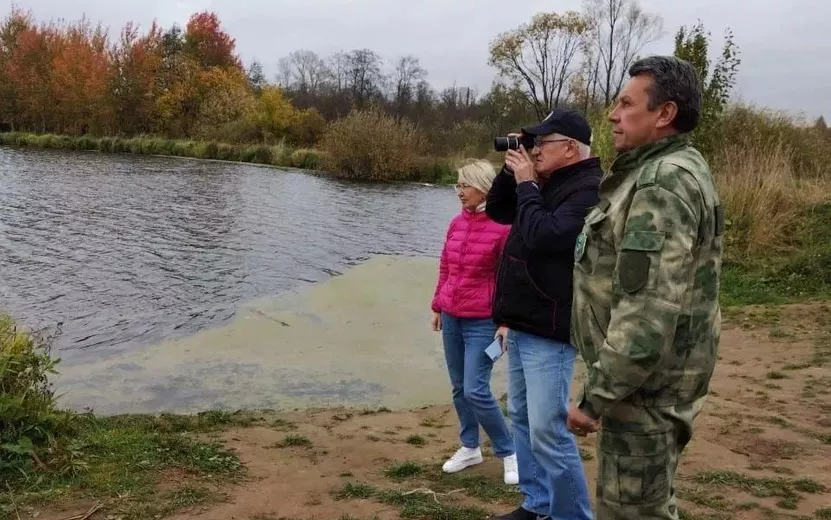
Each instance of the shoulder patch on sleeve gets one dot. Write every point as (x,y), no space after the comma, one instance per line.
(633,270)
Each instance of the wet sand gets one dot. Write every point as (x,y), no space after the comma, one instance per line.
(359,339)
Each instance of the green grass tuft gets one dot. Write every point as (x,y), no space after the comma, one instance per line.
(404,470)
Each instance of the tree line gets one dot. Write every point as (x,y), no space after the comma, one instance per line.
(69,78)
(189,83)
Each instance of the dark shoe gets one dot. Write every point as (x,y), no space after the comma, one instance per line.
(521,514)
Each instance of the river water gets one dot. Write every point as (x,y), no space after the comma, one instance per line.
(125,251)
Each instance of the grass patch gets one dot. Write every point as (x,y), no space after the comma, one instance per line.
(208,421)
(786,489)
(283,425)
(475,486)
(683,514)
(165,504)
(122,459)
(377,411)
(807,485)
(778,333)
(824,513)
(298,441)
(797,366)
(747,506)
(430,506)
(432,422)
(48,454)
(704,498)
(788,503)
(188,496)
(354,490)
(404,470)
(779,421)
(426,507)
(416,440)
(799,272)
(776,375)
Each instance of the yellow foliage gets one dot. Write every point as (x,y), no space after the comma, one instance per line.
(272,114)
(173,114)
(224,97)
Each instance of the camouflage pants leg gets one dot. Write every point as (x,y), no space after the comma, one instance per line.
(638,452)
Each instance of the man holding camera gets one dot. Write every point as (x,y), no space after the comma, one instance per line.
(545,195)
(646,282)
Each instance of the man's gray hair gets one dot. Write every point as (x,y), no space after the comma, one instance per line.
(584,151)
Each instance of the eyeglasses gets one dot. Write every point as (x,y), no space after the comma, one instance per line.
(538,141)
(461,186)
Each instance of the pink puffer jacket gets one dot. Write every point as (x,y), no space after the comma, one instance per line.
(467,269)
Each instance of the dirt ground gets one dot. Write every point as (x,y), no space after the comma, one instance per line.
(761,449)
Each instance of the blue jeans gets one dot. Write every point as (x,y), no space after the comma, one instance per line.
(465,341)
(550,469)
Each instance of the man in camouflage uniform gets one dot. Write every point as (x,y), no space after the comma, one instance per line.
(646,317)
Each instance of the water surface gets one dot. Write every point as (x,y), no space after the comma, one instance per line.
(127,251)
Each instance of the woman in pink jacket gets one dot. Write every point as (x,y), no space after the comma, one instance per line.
(462,312)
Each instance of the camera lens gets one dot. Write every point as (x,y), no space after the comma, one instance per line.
(502,144)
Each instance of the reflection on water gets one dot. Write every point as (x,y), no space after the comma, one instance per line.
(130,249)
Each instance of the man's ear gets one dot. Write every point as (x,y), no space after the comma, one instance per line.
(573,150)
(668,112)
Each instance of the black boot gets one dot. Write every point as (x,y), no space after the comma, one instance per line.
(521,514)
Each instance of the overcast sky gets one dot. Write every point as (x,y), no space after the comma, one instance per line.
(784,45)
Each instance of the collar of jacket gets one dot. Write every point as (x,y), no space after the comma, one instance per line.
(480,209)
(559,176)
(633,159)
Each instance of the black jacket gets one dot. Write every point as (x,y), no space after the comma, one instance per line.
(534,276)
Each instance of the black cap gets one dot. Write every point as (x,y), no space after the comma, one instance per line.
(566,122)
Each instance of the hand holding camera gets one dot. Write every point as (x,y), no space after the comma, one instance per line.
(517,158)
(522,164)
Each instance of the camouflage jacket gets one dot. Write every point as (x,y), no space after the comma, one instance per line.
(646,316)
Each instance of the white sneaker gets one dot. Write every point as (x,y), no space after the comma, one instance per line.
(462,459)
(511,471)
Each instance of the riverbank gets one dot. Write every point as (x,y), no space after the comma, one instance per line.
(359,419)
(432,170)
(759,451)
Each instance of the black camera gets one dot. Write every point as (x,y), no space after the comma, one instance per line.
(512,142)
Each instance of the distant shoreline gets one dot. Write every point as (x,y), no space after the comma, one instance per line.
(437,171)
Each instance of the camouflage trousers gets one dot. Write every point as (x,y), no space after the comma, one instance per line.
(638,450)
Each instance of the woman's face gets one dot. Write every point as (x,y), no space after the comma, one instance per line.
(469,196)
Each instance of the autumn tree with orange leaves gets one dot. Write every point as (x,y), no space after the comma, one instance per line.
(71,79)
(208,44)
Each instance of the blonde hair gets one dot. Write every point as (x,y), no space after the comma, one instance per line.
(477,173)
